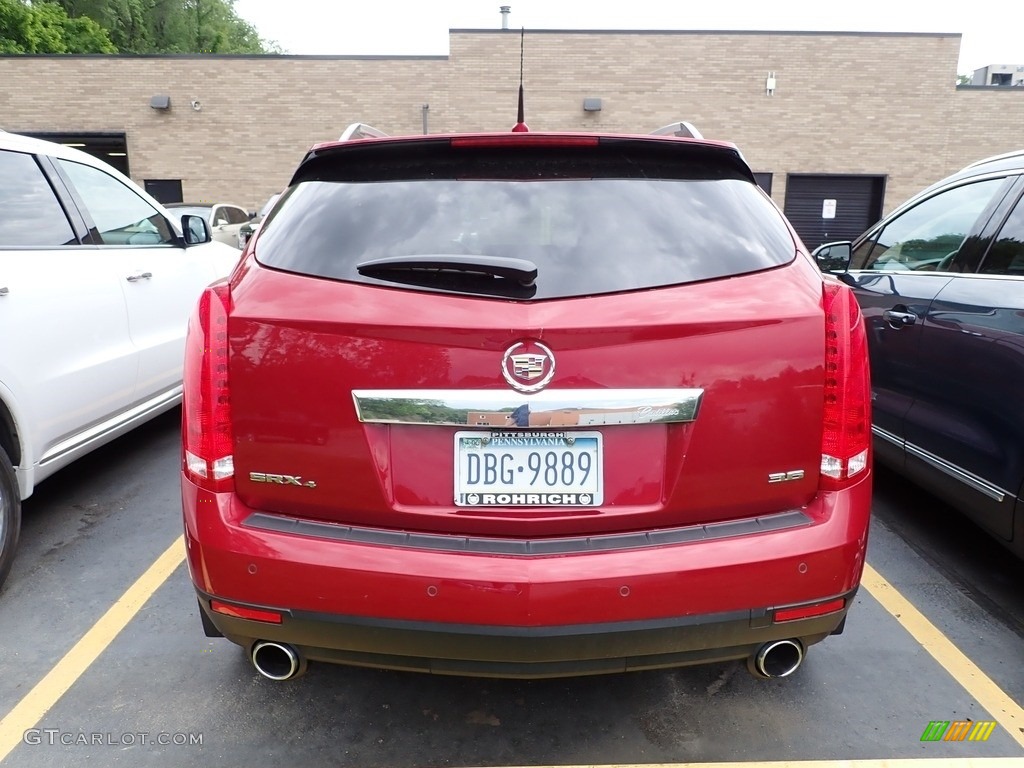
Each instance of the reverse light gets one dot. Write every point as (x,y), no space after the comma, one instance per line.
(206,401)
(846,434)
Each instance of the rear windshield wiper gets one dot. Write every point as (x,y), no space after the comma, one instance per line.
(401,268)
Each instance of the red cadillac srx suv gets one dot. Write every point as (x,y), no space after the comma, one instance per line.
(526,405)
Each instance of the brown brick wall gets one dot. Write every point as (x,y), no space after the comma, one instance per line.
(844,103)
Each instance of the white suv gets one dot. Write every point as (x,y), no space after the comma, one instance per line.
(97,281)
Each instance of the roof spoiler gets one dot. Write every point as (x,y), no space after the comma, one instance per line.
(361,131)
(681,128)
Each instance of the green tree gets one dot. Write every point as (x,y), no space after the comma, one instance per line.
(218,29)
(173,26)
(44,27)
(125,20)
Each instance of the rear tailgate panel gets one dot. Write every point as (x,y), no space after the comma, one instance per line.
(300,345)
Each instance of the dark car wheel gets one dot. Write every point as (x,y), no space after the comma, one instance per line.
(10,515)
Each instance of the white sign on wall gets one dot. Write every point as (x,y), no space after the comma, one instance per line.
(828,209)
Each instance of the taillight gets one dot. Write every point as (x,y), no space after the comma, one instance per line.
(846,436)
(206,401)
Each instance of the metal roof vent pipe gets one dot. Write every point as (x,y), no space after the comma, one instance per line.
(505,11)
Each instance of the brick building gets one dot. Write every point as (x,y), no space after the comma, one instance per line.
(840,127)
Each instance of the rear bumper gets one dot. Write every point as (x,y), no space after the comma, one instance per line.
(525,652)
(526,615)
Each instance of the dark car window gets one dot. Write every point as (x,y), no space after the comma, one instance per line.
(120,215)
(30,214)
(236,215)
(1006,256)
(619,224)
(928,236)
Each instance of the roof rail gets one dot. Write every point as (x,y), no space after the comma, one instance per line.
(361,131)
(681,128)
(986,160)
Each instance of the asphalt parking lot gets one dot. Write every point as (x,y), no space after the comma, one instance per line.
(102,660)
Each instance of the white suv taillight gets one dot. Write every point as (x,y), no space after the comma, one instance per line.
(206,401)
(846,434)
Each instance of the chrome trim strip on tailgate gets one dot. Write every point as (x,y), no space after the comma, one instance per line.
(527,547)
(545,410)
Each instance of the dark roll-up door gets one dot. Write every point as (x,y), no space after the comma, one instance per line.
(850,205)
(165,190)
(111,147)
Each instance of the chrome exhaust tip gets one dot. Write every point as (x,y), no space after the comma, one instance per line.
(777,659)
(276,661)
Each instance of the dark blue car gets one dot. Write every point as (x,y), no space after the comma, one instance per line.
(941,285)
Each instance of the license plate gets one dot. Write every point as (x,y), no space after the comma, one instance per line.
(529,469)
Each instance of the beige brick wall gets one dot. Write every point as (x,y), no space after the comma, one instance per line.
(258,116)
(844,103)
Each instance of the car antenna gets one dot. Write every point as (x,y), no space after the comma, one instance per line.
(521,126)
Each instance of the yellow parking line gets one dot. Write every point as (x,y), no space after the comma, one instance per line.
(37,702)
(902,762)
(34,706)
(980,686)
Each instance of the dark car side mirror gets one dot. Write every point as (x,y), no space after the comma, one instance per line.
(834,257)
(195,229)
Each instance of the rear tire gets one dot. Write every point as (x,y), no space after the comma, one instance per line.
(10,515)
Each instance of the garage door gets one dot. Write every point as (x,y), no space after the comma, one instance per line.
(112,148)
(827,208)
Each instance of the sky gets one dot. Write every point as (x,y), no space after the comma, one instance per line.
(420,27)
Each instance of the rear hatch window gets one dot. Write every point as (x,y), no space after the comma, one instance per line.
(620,215)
